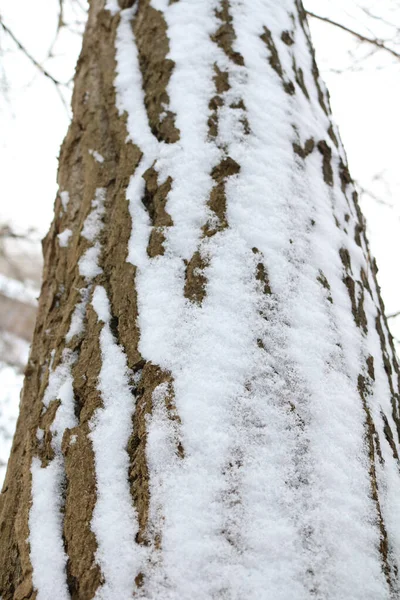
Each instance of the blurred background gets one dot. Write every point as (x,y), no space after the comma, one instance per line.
(358,53)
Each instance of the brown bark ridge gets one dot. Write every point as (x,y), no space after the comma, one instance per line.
(264,428)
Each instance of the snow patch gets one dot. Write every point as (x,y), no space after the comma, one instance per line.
(93,222)
(101,304)
(98,157)
(262,396)
(64,196)
(47,554)
(130,100)
(63,237)
(112,6)
(76,326)
(45,517)
(114,520)
(89,262)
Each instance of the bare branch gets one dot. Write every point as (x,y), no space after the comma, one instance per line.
(362,38)
(61,22)
(29,55)
(58,84)
(60,25)
(369,14)
(78,3)
(363,191)
(393,315)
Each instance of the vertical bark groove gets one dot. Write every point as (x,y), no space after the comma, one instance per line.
(374,449)
(217,202)
(225,35)
(152,43)
(275,62)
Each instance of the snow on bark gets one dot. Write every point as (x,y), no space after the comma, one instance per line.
(277,487)
(96,155)
(112,6)
(89,261)
(64,196)
(78,316)
(48,556)
(63,237)
(114,517)
(47,553)
(130,100)
(93,223)
(270,423)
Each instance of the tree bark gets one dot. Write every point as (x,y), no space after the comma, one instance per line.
(211,405)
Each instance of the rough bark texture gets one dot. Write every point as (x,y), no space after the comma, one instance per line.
(97,125)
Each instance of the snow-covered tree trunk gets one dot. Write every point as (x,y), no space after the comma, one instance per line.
(211,406)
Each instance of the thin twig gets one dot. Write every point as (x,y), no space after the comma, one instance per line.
(83,9)
(393,315)
(29,55)
(376,17)
(374,197)
(363,38)
(58,84)
(60,25)
(63,101)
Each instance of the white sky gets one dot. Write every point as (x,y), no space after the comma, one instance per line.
(33,120)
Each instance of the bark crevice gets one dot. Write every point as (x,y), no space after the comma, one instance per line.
(225,35)
(151,34)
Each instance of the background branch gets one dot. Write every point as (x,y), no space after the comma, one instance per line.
(374,41)
(393,315)
(37,64)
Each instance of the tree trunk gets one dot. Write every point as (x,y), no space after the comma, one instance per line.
(211,406)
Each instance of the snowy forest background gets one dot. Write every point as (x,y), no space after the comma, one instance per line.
(39,45)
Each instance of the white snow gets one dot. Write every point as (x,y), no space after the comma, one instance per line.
(78,316)
(47,554)
(45,523)
(93,223)
(258,463)
(273,492)
(101,304)
(64,199)
(96,155)
(63,237)
(60,388)
(130,100)
(114,519)
(45,517)
(112,6)
(89,261)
